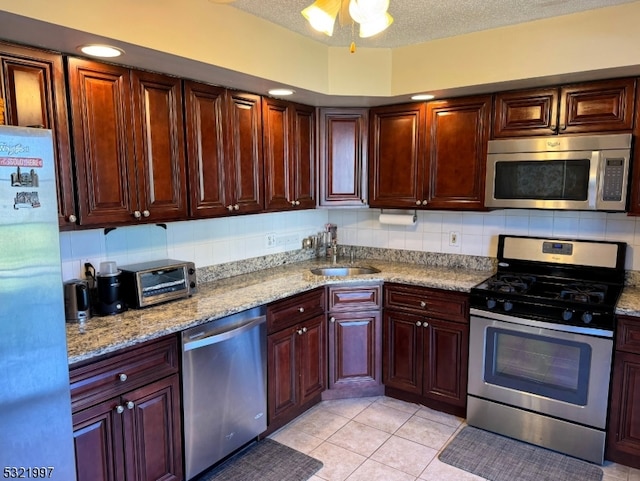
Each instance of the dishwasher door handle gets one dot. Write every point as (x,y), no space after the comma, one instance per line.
(223,336)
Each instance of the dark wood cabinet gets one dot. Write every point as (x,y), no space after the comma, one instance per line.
(623,435)
(426,345)
(456,145)
(355,341)
(224,151)
(296,356)
(289,155)
(342,152)
(34,90)
(128,144)
(429,155)
(634,198)
(126,415)
(600,107)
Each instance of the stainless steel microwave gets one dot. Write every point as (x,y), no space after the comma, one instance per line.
(150,283)
(571,172)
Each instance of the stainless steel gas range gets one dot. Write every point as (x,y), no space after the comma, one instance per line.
(541,343)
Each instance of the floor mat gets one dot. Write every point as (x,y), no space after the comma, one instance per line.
(266,460)
(499,458)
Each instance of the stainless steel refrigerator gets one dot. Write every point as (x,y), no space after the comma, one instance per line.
(36,435)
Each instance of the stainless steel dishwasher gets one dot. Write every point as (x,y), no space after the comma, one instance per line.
(224,387)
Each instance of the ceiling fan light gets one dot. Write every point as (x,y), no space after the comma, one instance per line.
(322,14)
(375,26)
(363,11)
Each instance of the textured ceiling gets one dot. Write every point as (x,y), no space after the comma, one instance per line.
(417,21)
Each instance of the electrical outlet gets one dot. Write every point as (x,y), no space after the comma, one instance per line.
(270,240)
(454,238)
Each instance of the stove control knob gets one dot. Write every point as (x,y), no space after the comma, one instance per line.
(508,305)
(491,303)
(587,317)
(567,314)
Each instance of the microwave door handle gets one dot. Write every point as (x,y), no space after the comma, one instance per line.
(594,174)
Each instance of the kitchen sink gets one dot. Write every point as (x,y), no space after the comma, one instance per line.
(344,271)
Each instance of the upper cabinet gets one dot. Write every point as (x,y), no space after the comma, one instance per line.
(224,150)
(128,143)
(603,106)
(429,155)
(342,151)
(33,87)
(289,155)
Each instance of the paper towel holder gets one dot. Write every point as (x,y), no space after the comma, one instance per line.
(415,214)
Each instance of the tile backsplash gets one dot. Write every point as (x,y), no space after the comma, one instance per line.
(217,241)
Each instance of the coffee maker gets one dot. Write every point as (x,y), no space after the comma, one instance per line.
(108,295)
(77,303)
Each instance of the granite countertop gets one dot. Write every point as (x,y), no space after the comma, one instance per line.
(629,302)
(102,335)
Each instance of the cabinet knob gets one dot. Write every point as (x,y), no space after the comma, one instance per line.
(423,304)
(229,207)
(300,309)
(425,324)
(72,218)
(424,202)
(333,319)
(146,213)
(292,202)
(299,332)
(418,202)
(119,409)
(122,377)
(418,323)
(297,202)
(130,405)
(137,214)
(304,329)
(236,207)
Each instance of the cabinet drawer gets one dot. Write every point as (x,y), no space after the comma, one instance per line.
(354,298)
(628,334)
(290,311)
(448,305)
(96,381)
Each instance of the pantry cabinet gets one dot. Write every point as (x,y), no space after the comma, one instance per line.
(355,341)
(599,107)
(126,415)
(342,163)
(296,356)
(34,92)
(224,150)
(128,144)
(289,155)
(425,354)
(623,435)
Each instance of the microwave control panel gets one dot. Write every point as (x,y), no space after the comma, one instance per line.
(613,179)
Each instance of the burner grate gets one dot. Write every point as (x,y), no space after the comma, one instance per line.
(511,283)
(584,293)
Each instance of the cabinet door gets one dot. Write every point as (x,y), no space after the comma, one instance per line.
(458,134)
(204,122)
(342,163)
(312,346)
(97,439)
(282,386)
(276,118)
(159,132)
(355,349)
(446,346)
(526,112)
(303,156)
(33,87)
(605,106)
(402,352)
(152,432)
(396,156)
(103,142)
(244,153)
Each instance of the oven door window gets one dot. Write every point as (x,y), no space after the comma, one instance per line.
(553,368)
(543,180)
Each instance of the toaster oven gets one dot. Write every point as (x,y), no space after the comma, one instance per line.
(149,283)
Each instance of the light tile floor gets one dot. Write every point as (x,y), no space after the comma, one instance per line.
(384,439)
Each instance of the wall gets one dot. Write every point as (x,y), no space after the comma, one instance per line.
(217,241)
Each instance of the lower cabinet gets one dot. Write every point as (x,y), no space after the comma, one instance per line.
(426,346)
(126,415)
(623,436)
(355,341)
(296,356)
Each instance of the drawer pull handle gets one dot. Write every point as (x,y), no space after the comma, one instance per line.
(122,377)
(300,309)
(119,409)
(130,405)
(418,324)
(423,304)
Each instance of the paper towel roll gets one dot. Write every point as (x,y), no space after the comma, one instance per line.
(397,219)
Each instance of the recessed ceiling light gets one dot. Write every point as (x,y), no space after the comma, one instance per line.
(422,97)
(96,50)
(281,92)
